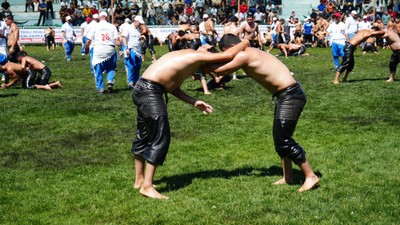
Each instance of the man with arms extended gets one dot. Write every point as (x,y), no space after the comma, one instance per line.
(349,48)
(153,131)
(393,40)
(290,99)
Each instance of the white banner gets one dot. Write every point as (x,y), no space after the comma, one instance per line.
(35,36)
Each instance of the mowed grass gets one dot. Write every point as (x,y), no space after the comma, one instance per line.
(65,154)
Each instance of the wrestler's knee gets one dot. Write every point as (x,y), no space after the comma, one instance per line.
(296,153)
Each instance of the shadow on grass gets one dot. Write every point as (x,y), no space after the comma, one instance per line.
(8,95)
(366,79)
(177,182)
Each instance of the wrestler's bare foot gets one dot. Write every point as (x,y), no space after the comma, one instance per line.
(282,181)
(58,84)
(309,184)
(47,87)
(390,80)
(150,192)
(335,82)
(207,93)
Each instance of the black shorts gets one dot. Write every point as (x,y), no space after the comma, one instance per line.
(289,104)
(368,46)
(153,133)
(394,60)
(49,40)
(301,51)
(348,58)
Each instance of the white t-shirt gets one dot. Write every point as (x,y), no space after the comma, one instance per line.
(68,29)
(132,35)
(103,34)
(336,33)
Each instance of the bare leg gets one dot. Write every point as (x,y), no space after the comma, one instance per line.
(154,57)
(336,80)
(139,172)
(345,76)
(391,78)
(43,87)
(143,57)
(311,178)
(287,172)
(205,87)
(147,188)
(234,76)
(55,84)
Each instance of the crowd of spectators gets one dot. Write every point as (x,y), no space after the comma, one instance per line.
(171,12)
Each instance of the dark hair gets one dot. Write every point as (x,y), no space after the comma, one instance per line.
(181,33)
(233,19)
(375,28)
(228,40)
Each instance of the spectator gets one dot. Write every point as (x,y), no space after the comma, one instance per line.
(243,7)
(42,12)
(145,8)
(64,3)
(364,24)
(71,13)
(170,11)
(135,9)
(79,18)
(63,13)
(29,3)
(93,9)
(86,12)
(50,9)
(200,7)
(163,19)
(258,17)
(5,10)
(151,15)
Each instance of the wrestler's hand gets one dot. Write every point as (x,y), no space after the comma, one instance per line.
(206,108)
(3,85)
(11,50)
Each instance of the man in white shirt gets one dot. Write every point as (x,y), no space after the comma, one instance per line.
(93,23)
(336,32)
(69,37)
(351,25)
(132,51)
(364,24)
(84,39)
(105,36)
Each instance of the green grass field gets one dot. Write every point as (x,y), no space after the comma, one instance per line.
(65,154)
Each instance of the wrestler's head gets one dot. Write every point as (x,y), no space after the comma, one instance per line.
(227,41)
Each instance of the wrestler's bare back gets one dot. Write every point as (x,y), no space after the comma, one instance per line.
(231,28)
(363,35)
(264,68)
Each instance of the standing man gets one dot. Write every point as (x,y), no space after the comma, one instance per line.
(105,36)
(308,32)
(42,12)
(132,51)
(84,34)
(153,134)
(50,9)
(336,31)
(90,26)
(232,28)
(348,58)
(3,47)
(249,30)
(351,25)
(290,100)
(147,42)
(393,40)
(69,36)
(13,38)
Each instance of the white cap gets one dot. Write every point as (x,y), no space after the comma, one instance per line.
(353,12)
(68,18)
(274,18)
(96,16)
(127,20)
(364,17)
(139,19)
(205,16)
(103,14)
